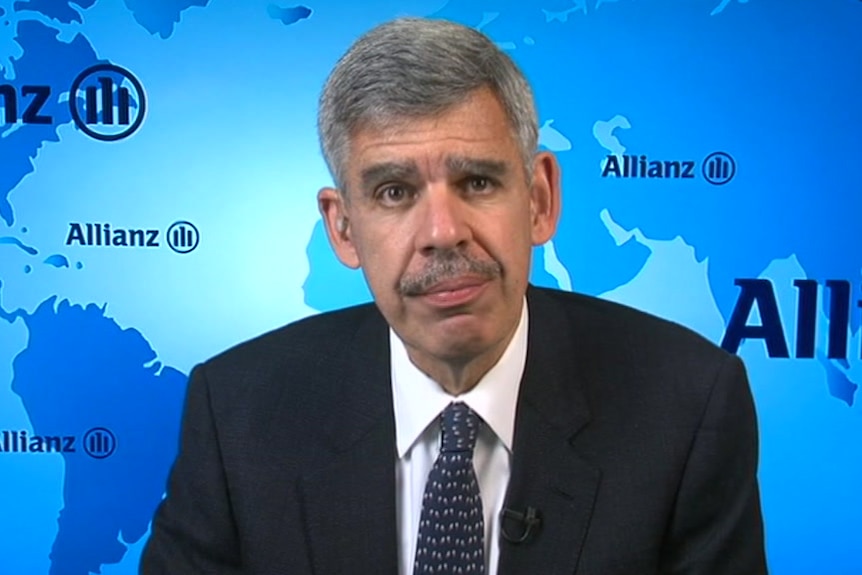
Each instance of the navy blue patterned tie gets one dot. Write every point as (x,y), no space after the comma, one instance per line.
(451,528)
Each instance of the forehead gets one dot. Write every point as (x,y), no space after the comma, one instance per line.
(476,128)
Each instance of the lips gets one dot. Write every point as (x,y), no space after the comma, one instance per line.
(454,292)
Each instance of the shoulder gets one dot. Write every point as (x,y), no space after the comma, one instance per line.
(293,356)
(634,370)
(314,335)
(624,354)
(620,329)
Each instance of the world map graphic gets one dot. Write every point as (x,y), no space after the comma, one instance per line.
(158,169)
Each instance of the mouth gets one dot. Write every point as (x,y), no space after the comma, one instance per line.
(454,292)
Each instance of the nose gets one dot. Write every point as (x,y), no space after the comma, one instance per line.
(443,220)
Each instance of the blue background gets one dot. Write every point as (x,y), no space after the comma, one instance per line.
(95,336)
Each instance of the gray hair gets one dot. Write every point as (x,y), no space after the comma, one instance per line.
(416,68)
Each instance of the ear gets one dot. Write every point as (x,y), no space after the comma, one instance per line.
(545,198)
(333,210)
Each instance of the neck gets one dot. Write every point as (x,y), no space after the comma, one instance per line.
(458,375)
(456,378)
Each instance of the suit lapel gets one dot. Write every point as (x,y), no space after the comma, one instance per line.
(350,504)
(547,472)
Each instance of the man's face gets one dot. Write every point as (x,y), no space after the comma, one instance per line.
(441,218)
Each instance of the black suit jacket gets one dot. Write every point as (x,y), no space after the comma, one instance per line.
(634,438)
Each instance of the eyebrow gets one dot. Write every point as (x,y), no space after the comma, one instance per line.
(409,171)
(484,167)
(399,171)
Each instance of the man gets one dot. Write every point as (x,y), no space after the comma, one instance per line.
(578,436)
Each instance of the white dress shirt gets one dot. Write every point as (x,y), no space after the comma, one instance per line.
(418,400)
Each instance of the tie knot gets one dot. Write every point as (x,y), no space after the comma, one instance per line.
(460,427)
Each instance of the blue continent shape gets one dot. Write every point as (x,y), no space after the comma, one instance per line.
(722,5)
(548,48)
(539,274)
(57,260)
(330,285)
(690,89)
(45,61)
(13,241)
(79,371)
(288,16)
(160,16)
(774,110)
(840,385)
(59,10)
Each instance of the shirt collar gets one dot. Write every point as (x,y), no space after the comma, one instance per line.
(418,399)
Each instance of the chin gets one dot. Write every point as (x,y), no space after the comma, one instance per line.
(461,345)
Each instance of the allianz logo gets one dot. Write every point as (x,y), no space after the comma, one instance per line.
(181,236)
(628,166)
(98,443)
(103,235)
(22,442)
(718,168)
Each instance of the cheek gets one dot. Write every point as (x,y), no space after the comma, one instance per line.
(514,251)
(507,239)
(383,258)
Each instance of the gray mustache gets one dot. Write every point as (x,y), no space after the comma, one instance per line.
(446,266)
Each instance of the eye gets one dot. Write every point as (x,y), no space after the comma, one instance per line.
(478,184)
(393,195)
